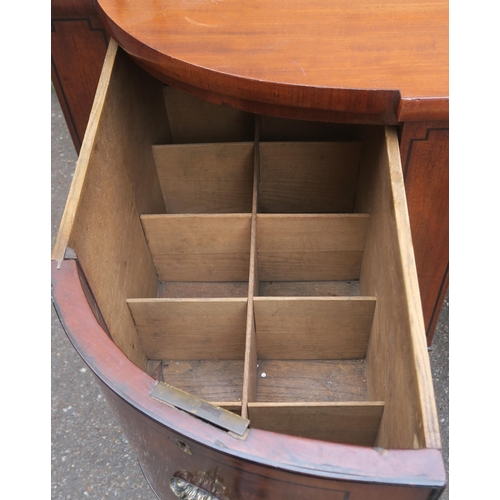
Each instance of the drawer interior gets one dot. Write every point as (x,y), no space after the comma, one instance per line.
(252,261)
(258,258)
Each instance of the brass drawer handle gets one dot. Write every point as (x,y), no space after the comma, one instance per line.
(197,486)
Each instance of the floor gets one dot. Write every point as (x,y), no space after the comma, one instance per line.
(91,457)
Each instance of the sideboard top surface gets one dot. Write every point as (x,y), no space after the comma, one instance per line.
(379,57)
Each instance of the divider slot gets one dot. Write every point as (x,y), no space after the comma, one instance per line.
(250,369)
(269,225)
(201,343)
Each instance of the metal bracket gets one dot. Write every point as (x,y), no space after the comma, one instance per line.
(220,417)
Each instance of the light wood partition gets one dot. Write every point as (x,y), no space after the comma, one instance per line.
(351,423)
(206,178)
(398,370)
(115,181)
(199,247)
(315,177)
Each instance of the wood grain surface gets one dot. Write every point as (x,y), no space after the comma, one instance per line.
(78,47)
(201,289)
(213,381)
(191,329)
(388,59)
(313,328)
(398,370)
(354,423)
(206,178)
(277,465)
(311,380)
(315,177)
(199,247)
(308,247)
(425,162)
(195,121)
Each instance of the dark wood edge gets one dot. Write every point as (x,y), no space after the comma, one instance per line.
(87,14)
(382,104)
(72,8)
(433,126)
(424,109)
(431,328)
(438,127)
(348,105)
(423,468)
(268,109)
(68,116)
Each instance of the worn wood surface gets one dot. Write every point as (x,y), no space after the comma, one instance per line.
(199,247)
(201,289)
(311,380)
(398,370)
(307,247)
(301,177)
(213,381)
(313,328)
(191,329)
(386,59)
(350,423)
(309,288)
(206,178)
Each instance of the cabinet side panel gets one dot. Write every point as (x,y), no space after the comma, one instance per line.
(425,160)
(78,48)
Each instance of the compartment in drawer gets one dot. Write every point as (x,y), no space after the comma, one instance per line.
(311,370)
(310,254)
(199,248)
(206,178)
(300,328)
(199,344)
(209,253)
(349,423)
(192,120)
(308,177)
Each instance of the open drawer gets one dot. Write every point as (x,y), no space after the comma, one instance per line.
(263,266)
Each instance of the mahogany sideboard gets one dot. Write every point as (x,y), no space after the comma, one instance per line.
(238,158)
(382,63)
(264,265)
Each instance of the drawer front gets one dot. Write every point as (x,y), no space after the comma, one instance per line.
(164,455)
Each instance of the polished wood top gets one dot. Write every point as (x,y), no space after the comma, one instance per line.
(382,61)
